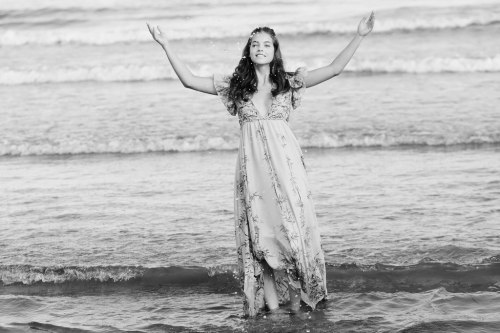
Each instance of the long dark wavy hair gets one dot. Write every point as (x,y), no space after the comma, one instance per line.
(244,80)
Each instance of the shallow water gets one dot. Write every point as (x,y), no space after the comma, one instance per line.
(394,206)
(82,239)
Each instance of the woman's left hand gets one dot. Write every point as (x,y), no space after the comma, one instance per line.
(366,25)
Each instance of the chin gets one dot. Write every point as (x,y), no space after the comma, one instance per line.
(261,62)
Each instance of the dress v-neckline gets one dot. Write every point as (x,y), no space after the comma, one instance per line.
(267,111)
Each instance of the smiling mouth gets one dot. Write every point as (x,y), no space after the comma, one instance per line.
(260,55)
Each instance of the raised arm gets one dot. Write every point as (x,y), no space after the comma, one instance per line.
(199,83)
(322,74)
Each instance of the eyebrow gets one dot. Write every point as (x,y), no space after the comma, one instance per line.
(256,41)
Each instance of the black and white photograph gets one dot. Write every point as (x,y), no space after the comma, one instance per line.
(250,166)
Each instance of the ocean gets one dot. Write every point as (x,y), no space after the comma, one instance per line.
(116,182)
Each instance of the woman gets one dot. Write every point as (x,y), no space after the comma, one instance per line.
(280,258)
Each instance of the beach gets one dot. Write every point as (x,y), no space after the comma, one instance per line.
(116,183)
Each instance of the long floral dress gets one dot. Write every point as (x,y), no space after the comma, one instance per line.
(275,218)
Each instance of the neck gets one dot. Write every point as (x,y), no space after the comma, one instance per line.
(262,72)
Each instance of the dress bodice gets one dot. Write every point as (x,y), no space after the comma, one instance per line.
(281,106)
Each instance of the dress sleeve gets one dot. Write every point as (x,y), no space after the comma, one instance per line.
(298,85)
(221,84)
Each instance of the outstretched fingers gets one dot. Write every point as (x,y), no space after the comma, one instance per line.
(371,19)
(151,31)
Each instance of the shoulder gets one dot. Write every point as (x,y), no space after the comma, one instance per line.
(222,77)
(222,82)
(297,78)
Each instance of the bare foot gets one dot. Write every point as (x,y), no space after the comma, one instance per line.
(279,310)
(277,314)
(295,307)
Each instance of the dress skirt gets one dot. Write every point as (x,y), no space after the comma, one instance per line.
(274,217)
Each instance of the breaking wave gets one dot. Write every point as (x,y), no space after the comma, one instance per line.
(134,73)
(425,275)
(200,143)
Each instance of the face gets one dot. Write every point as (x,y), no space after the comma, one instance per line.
(261,49)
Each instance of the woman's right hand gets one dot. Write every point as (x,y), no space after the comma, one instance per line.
(157,34)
